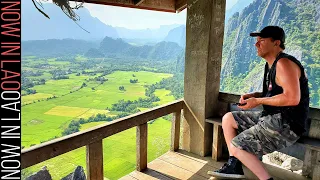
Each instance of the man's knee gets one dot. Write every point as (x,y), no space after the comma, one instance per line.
(228,121)
(234,150)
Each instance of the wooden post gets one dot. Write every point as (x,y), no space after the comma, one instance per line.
(142,142)
(217,142)
(175,131)
(95,161)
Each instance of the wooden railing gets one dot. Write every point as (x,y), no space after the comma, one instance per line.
(92,139)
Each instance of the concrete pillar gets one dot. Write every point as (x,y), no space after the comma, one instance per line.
(205,29)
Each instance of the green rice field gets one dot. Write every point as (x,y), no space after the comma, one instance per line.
(45,118)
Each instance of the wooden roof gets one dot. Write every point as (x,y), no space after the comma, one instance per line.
(155,5)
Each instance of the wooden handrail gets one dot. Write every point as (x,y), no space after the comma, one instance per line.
(56,147)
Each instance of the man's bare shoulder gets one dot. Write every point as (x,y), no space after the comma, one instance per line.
(285,65)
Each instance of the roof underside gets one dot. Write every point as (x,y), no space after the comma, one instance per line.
(155,5)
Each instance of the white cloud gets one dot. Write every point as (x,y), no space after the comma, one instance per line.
(134,18)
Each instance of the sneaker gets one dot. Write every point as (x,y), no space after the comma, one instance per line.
(230,170)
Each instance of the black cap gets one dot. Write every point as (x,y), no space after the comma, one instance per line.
(274,32)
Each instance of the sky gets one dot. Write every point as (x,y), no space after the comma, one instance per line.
(136,18)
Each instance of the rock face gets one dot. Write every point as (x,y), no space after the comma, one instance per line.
(78,174)
(43,174)
(253,18)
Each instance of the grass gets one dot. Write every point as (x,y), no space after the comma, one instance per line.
(67,111)
(56,114)
(35,97)
(164,96)
(119,152)
(45,120)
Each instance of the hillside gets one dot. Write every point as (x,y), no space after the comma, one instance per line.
(160,51)
(177,35)
(56,47)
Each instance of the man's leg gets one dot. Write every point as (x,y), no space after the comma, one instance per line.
(251,162)
(230,127)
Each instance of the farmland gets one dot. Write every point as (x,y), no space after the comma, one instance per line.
(71,93)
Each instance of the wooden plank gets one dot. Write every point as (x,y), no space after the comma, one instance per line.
(142,146)
(180,5)
(138,2)
(95,161)
(56,147)
(217,142)
(128,177)
(173,171)
(193,165)
(175,131)
(149,174)
(205,160)
(310,143)
(154,5)
(229,98)
(214,120)
(185,160)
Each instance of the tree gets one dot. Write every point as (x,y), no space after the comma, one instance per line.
(121,88)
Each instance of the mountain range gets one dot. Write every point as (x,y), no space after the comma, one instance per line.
(108,47)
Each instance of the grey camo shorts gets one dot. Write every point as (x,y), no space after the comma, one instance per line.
(261,135)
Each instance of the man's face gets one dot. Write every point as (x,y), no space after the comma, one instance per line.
(264,46)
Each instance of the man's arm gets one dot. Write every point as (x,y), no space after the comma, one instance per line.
(287,76)
(255,94)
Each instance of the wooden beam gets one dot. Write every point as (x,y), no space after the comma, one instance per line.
(95,161)
(56,147)
(137,2)
(180,5)
(175,131)
(154,5)
(142,147)
(217,142)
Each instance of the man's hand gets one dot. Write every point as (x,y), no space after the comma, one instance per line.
(243,98)
(250,103)
(250,95)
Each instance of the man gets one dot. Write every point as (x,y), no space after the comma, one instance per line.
(285,100)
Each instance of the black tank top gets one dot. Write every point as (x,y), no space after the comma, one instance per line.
(295,116)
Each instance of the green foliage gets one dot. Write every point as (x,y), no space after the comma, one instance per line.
(133,81)
(121,88)
(174,84)
(73,127)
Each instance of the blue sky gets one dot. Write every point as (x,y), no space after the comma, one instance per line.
(138,19)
